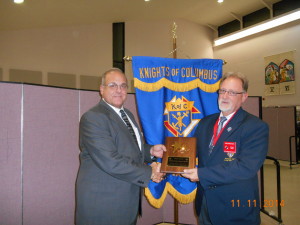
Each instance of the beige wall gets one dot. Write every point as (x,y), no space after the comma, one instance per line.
(247,56)
(83,52)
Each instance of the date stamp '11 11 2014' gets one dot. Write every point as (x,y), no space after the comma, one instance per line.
(254,203)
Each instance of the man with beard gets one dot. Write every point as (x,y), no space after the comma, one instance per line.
(231,148)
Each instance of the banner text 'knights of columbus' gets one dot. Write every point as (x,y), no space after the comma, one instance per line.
(173,95)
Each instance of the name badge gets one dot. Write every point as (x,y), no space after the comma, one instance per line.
(230,147)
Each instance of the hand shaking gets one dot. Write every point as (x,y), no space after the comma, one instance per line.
(157,176)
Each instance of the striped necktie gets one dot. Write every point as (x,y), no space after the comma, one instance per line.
(222,120)
(128,124)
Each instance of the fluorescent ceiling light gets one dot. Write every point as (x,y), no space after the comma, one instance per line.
(258,28)
(18,1)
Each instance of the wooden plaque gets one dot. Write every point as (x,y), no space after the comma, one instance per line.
(180,154)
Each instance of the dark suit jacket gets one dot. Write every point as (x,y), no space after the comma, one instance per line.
(230,184)
(112,169)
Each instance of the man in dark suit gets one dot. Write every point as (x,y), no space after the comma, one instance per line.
(112,159)
(231,148)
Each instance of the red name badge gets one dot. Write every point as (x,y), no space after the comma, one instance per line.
(230,147)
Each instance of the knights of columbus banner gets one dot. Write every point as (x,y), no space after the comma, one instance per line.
(173,95)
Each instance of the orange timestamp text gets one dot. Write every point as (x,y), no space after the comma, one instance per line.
(253,203)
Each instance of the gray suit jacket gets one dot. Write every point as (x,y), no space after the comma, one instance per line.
(112,169)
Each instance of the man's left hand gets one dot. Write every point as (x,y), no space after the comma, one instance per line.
(191,174)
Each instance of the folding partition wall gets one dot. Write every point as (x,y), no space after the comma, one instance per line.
(39,155)
(10,154)
(282,124)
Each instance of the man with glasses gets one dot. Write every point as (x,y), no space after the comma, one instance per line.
(112,159)
(231,148)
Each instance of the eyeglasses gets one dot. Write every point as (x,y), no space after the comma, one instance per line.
(114,86)
(230,93)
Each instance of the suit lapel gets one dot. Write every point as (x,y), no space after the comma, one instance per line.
(115,117)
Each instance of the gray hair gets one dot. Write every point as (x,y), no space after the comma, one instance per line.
(237,75)
(103,77)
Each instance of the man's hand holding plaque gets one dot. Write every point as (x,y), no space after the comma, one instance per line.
(180,154)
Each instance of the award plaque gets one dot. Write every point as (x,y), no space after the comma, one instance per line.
(180,154)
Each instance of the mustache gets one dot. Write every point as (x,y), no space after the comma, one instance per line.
(223,101)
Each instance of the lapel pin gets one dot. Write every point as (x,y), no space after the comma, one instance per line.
(229,129)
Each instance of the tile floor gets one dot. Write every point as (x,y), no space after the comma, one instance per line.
(290,193)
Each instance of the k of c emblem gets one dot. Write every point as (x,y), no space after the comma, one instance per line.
(180,120)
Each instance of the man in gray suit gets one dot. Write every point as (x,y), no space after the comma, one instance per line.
(113,156)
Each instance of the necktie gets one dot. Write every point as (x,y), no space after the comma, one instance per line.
(222,120)
(220,126)
(128,124)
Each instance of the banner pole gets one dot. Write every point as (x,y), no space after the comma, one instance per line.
(174,40)
(175,57)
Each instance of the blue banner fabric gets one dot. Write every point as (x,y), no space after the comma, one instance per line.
(173,95)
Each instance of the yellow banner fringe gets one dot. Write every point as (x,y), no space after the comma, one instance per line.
(181,198)
(181,87)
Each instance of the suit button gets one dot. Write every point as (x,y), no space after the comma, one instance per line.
(140,182)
